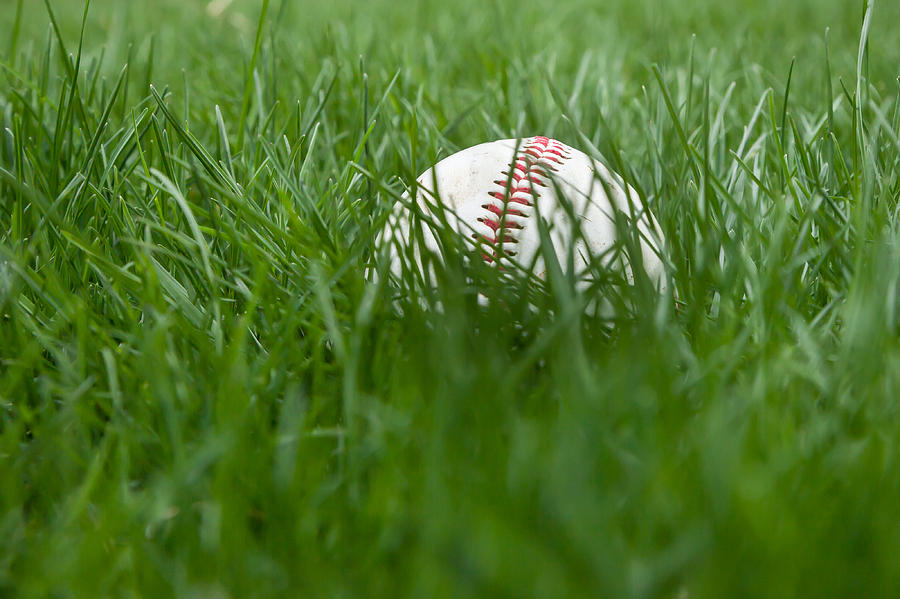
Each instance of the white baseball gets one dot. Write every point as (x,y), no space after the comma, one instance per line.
(494,191)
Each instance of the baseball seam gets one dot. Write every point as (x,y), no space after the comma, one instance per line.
(509,207)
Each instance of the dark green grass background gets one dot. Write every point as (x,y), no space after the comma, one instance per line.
(202,396)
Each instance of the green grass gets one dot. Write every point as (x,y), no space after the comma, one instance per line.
(202,395)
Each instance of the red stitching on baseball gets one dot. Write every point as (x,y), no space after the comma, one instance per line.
(532,165)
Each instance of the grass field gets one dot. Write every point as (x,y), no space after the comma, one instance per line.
(201,395)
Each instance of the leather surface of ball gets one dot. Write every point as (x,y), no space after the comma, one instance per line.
(493,193)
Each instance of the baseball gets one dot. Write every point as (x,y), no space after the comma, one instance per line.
(493,193)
